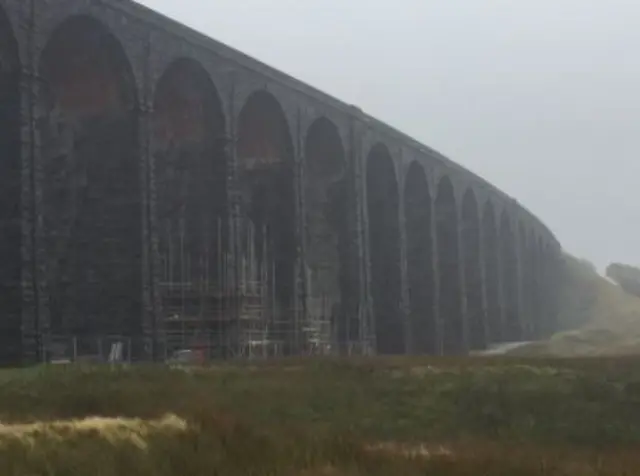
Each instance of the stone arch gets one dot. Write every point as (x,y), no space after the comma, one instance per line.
(549,273)
(450,295)
(384,250)
(91,187)
(10,190)
(541,269)
(471,231)
(188,127)
(525,282)
(421,282)
(265,175)
(509,274)
(491,265)
(533,280)
(326,217)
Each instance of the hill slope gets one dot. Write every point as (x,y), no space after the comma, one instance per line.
(599,316)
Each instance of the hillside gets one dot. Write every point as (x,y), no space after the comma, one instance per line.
(598,316)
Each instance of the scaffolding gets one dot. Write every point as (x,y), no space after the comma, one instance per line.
(226,306)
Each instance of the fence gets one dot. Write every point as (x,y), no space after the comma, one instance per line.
(177,347)
(90,349)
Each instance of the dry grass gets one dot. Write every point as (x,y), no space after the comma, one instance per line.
(404,416)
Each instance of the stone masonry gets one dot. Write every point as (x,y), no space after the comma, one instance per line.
(157,181)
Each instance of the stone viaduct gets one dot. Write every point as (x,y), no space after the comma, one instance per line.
(149,173)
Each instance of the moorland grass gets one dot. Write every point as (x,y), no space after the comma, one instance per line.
(493,416)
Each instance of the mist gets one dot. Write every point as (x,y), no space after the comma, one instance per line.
(539,97)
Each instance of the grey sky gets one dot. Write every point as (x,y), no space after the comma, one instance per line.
(540,97)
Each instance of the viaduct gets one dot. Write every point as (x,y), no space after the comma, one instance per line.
(155,181)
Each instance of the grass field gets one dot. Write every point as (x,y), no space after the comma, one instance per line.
(405,416)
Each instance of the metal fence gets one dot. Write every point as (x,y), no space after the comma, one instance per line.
(176,347)
(91,349)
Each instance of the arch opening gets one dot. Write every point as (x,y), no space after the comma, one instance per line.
(91,187)
(384,250)
(326,210)
(450,295)
(422,318)
(266,181)
(189,151)
(512,325)
(548,290)
(533,273)
(526,283)
(491,261)
(473,271)
(10,190)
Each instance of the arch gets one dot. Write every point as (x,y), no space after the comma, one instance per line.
(188,128)
(491,265)
(548,275)
(422,319)
(541,276)
(450,295)
(509,277)
(265,171)
(473,271)
(10,191)
(526,286)
(326,217)
(91,186)
(533,282)
(384,250)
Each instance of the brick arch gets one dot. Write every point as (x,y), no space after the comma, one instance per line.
(471,245)
(265,177)
(86,68)
(90,155)
(263,130)
(314,113)
(326,217)
(189,148)
(10,194)
(421,279)
(384,249)
(450,295)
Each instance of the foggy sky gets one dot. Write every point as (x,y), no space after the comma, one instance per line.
(540,97)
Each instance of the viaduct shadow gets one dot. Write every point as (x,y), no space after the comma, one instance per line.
(471,229)
(190,164)
(491,264)
(510,286)
(384,250)
(450,295)
(265,177)
(420,269)
(325,196)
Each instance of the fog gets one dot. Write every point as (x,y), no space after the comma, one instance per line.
(540,97)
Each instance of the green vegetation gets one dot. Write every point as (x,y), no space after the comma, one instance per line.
(526,415)
(408,416)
